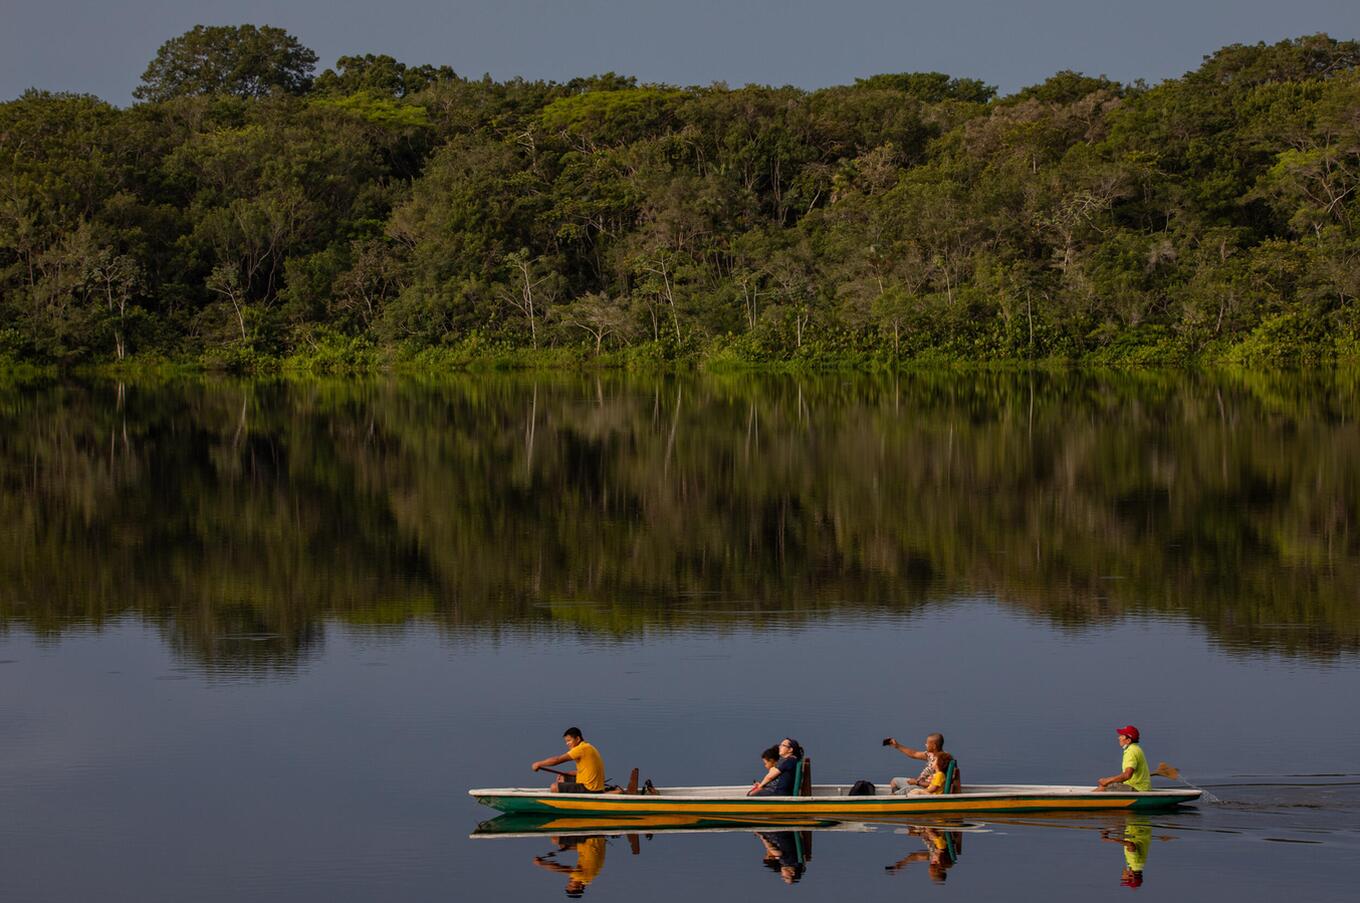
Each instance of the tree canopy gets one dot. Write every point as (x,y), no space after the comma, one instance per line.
(389,212)
(242,60)
(379,74)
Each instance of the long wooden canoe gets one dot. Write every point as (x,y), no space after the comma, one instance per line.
(826,801)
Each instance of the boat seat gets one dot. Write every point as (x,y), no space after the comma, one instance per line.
(951,778)
(802,777)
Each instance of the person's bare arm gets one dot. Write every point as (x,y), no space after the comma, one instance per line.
(548,763)
(909,753)
(906,750)
(1115,779)
(769,776)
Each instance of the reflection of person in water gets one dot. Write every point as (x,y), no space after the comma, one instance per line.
(1136,839)
(782,855)
(941,852)
(589,861)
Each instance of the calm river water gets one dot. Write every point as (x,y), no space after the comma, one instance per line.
(257,639)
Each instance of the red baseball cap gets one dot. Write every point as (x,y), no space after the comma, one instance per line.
(1131,879)
(1128,731)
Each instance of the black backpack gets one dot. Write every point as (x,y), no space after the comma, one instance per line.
(863,788)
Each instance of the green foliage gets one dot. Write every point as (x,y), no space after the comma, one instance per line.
(931,87)
(329,352)
(1287,339)
(908,217)
(612,117)
(476,352)
(377,109)
(241,60)
(1065,87)
(239,359)
(379,75)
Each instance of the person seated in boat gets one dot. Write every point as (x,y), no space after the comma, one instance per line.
(936,783)
(770,760)
(589,776)
(779,774)
(930,755)
(1135,776)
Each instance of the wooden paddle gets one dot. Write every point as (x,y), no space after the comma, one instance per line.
(1167,771)
(565,774)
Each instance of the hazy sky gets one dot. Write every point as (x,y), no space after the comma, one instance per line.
(102,46)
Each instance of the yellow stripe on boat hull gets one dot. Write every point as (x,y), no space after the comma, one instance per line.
(830,807)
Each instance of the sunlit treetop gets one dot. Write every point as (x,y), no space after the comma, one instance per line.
(241,60)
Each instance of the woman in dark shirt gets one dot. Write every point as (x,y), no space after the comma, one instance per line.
(778,779)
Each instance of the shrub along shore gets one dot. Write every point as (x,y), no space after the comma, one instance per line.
(249,215)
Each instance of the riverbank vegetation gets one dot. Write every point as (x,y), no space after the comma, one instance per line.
(248,214)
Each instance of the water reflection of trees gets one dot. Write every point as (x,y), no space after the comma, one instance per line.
(238,516)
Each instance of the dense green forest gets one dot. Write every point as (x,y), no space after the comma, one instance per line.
(247,212)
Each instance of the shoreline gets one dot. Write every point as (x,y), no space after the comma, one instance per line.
(652,360)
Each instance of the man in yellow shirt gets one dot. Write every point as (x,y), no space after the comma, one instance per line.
(1135,775)
(589,776)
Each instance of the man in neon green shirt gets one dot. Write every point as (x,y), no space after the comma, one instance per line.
(1135,774)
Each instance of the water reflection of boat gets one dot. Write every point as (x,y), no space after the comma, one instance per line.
(786,843)
(825,801)
(527,825)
